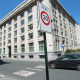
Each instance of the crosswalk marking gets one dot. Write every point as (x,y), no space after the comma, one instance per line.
(35,69)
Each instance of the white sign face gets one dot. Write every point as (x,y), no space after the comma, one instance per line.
(24,73)
(44,18)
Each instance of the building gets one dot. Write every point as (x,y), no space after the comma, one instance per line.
(20,36)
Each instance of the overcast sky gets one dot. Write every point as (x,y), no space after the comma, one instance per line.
(72,7)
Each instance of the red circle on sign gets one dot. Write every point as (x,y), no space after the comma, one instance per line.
(47,16)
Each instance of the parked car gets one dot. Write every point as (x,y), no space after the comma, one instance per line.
(71,60)
(0,59)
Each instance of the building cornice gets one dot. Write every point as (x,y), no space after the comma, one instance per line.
(20,7)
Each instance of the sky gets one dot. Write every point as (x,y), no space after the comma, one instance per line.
(71,6)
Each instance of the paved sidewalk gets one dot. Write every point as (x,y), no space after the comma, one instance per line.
(24,59)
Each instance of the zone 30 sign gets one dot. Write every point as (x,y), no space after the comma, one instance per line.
(44,18)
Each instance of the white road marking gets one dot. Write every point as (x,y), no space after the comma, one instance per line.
(35,69)
(24,73)
(40,67)
(1,76)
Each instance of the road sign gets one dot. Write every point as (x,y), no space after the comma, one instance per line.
(44,18)
(62,45)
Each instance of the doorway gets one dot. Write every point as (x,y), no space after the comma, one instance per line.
(9,51)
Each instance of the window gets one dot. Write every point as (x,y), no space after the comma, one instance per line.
(22,30)
(0,38)
(59,17)
(1,28)
(15,49)
(59,10)
(4,37)
(4,31)
(9,29)
(4,26)
(40,33)
(22,22)
(15,39)
(31,47)
(3,43)
(9,41)
(41,46)
(15,26)
(9,22)
(30,35)
(54,5)
(22,38)
(22,15)
(30,18)
(30,10)
(0,51)
(30,27)
(15,32)
(0,44)
(15,19)
(4,50)
(23,48)
(60,25)
(9,35)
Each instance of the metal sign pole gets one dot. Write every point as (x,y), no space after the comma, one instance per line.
(46,60)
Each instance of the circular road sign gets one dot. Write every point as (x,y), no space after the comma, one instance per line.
(45,18)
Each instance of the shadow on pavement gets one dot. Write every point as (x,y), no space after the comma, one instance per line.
(2,63)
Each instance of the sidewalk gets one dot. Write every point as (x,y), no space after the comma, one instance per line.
(25,59)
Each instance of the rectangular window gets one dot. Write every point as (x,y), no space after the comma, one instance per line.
(23,48)
(30,35)
(22,22)
(0,44)
(9,41)
(30,27)
(15,32)
(4,31)
(30,18)
(4,37)
(9,22)
(15,26)
(0,38)
(22,15)
(15,49)
(41,46)
(9,35)
(4,43)
(30,10)
(15,19)
(0,51)
(31,47)
(4,26)
(22,38)
(40,33)
(15,40)
(1,28)
(1,33)
(22,30)
(4,50)
(9,29)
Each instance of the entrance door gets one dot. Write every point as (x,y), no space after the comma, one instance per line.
(9,51)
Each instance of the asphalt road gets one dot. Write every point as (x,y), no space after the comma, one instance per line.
(34,70)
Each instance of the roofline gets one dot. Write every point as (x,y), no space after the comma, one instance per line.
(23,5)
(66,11)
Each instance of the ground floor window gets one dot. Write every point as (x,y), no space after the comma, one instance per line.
(23,48)
(31,47)
(15,49)
(0,51)
(41,45)
(4,50)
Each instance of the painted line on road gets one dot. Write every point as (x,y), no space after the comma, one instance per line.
(24,73)
(34,69)
(40,67)
(1,76)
